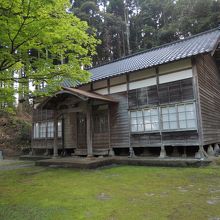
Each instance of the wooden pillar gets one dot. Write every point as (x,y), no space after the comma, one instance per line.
(55,142)
(89,130)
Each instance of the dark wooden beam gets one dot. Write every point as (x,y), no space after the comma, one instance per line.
(55,142)
(89,129)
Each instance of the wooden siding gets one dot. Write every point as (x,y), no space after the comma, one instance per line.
(209,95)
(100,138)
(70,134)
(81,131)
(179,138)
(119,121)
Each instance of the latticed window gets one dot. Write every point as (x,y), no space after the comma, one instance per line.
(137,123)
(181,116)
(59,129)
(169,117)
(187,116)
(151,119)
(145,120)
(43,129)
(50,129)
(36,130)
(172,117)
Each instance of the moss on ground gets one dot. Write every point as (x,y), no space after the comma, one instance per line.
(122,192)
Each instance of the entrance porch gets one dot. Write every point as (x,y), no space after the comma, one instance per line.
(73,122)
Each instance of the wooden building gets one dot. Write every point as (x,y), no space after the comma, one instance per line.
(163,101)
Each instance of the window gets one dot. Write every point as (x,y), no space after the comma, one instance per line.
(43,129)
(181,116)
(59,129)
(169,117)
(151,119)
(50,129)
(145,120)
(187,117)
(46,129)
(137,123)
(173,117)
(36,130)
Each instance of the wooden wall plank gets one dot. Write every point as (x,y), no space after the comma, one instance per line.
(209,92)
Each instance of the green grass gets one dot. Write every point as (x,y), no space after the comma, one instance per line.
(123,192)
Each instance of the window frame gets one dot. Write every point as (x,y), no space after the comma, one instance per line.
(43,130)
(160,118)
(50,129)
(59,129)
(143,117)
(36,130)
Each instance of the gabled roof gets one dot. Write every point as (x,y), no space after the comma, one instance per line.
(204,42)
(201,43)
(83,95)
(90,95)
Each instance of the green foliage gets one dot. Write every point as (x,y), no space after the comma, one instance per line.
(151,22)
(36,35)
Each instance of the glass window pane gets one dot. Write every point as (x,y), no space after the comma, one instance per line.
(172,117)
(190,115)
(134,128)
(134,121)
(59,131)
(155,126)
(36,130)
(140,127)
(173,125)
(147,120)
(147,112)
(172,109)
(166,125)
(191,124)
(165,118)
(140,120)
(165,110)
(154,119)
(182,124)
(182,116)
(189,107)
(147,127)
(139,113)
(154,111)
(181,108)
(133,114)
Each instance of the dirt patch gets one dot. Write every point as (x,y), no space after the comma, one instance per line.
(14,164)
(103,197)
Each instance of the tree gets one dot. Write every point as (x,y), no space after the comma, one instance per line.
(36,36)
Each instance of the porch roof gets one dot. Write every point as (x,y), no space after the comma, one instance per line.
(91,95)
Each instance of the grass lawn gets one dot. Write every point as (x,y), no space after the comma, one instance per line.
(122,192)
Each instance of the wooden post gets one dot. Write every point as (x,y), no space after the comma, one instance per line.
(197,103)
(89,130)
(55,143)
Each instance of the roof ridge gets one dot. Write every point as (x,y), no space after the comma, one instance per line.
(157,47)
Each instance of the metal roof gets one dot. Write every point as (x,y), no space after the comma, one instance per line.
(191,46)
(204,42)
